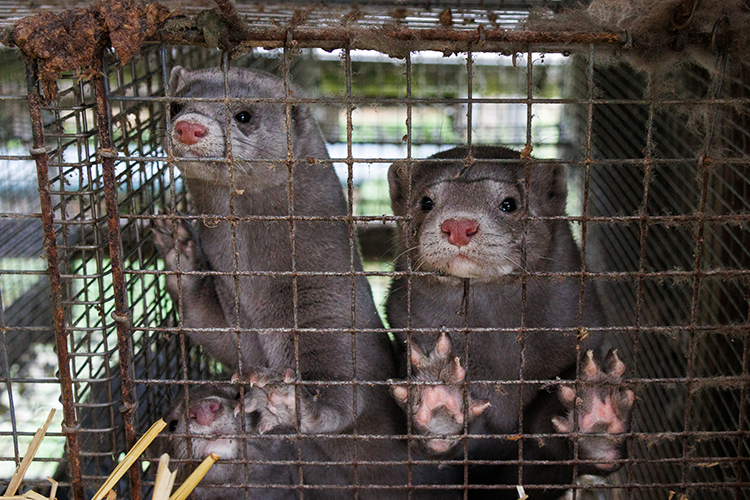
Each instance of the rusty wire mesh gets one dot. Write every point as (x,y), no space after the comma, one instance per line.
(660,204)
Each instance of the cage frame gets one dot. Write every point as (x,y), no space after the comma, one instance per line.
(444,39)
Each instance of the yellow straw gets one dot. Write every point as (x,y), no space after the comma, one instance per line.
(53,490)
(15,482)
(164,480)
(33,495)
(192,481)
(130,458)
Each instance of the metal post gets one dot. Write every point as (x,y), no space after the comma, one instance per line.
(39,152)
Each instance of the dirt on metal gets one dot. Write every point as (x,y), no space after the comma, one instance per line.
(72,39)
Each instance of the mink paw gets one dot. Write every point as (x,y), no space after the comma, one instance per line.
(272,397)
(437,409)
(603,407)
(185,246)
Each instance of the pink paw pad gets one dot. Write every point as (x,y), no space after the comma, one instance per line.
(438,409)
(602,404)
(437,397)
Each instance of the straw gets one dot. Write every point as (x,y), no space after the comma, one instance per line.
(130,458)
(164,479)
(53,490)
(192,481)
(15,482)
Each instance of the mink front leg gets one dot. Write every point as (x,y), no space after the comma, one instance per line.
(437,409)
(175,243)
(200,307)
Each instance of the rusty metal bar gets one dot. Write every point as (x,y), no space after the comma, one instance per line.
(393,101)
(350,226)
(742,455)
(373,38)
(652,220)
(409,421)
(648,166)
(8,381)
(521,338)
(704,167)
(664,330)
(107,154)
(39,152)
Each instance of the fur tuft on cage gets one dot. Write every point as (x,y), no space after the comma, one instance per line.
(661,35)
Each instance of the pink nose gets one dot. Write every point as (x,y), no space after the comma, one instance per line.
(204,412)
(189,132)
(459,231)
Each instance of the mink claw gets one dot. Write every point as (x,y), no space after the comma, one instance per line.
(418,357)
(590,368)
(615,366)
(477,407)
(457,372)
(400,393)
(271,395)
(443,346)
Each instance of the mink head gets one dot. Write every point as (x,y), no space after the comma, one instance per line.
(204,422)
(242,116)
(477,219)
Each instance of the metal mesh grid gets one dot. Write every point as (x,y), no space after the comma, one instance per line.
(649,209)
(682,330)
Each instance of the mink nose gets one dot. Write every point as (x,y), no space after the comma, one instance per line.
(459,231)
(204,412)
(189,132)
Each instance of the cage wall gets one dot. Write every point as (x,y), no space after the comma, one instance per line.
(657,202)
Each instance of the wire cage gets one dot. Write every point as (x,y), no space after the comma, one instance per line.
(658,204)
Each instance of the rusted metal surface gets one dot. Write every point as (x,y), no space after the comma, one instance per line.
(71,38)
(39,153)
(397,41)
(121,315)
(75,38)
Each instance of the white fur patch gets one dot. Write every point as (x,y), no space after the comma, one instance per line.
(463,267)
(487,255)
(223,447)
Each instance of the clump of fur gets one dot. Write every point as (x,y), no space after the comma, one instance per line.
(660,33)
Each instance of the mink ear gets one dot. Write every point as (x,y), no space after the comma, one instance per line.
(302,120)
(177,79)
(398,176)
(553,187)
(558,190)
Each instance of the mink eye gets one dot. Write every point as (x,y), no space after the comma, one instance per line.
(508,205)
(427,204)
(242,116)
(172,425)
(175,108)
